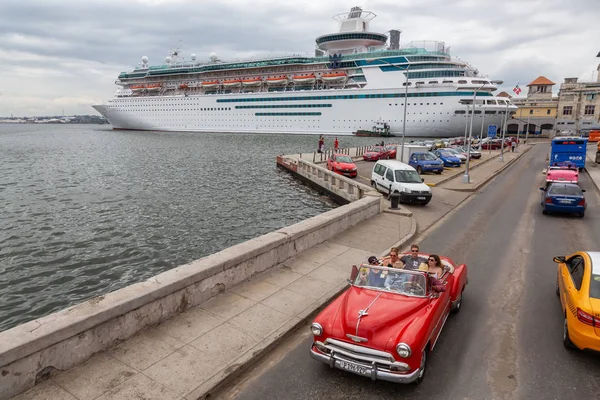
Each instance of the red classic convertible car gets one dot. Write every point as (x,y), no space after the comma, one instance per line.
(385,325)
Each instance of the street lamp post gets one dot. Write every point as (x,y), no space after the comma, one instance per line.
(504,132)
(466,124)
(467,176)
(405,69)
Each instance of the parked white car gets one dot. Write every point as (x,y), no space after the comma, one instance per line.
(390,176)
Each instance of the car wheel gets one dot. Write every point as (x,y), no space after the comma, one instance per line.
(544,211)
(422,367)
(458,304)
(438,172)
(566,340)
(373,184)
(581,215)
(419,169)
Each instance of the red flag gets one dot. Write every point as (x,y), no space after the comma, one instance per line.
(517,89)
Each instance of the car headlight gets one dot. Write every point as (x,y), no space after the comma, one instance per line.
(353,169)
(405,190)
(316,329)
(403,350)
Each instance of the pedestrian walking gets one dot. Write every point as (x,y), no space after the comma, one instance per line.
(512,146)
(336,144)
(321,144)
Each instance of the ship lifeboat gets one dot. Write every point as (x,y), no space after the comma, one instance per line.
(334,77)
(153,87)
(232,82)
(304,78)
(210,84)
(278,80)
(137,88)
(252,82)
(183,86)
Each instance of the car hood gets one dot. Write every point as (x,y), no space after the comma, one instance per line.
(450,158)
(345,165)
(388,316)
(416,186)
(429,162)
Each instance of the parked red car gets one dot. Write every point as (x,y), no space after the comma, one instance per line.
(386,324)
(392,149)
(342,164)
(494,145)
(376,153)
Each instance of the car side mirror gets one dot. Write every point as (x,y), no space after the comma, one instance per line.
(543,189)
(354,273)
(422,180)
(559,259)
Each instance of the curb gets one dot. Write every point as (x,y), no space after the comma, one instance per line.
(223,377)
(596,185)
(489,178)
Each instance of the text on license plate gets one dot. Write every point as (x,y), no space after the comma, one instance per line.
(421,198)
(353,367)
(564,201)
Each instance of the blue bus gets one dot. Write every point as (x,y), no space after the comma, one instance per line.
(568,150)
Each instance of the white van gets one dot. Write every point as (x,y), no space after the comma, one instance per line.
(390,176)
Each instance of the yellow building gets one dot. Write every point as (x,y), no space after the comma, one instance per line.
(537,112)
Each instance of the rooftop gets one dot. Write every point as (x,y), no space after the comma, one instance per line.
(540,81)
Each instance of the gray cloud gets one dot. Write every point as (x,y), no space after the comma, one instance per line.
(65,54)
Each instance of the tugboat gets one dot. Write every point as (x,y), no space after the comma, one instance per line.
(381,129)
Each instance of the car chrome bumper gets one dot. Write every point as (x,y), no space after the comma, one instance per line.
(370,372)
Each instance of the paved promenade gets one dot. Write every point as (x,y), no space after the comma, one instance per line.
(189,355)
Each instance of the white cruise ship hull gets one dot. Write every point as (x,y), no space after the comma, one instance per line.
(336,112)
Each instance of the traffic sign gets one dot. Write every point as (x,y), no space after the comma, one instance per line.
(492,131)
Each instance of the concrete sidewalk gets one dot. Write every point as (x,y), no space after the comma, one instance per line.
(190,354)
(592,168)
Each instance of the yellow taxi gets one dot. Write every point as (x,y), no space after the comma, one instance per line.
(578,286)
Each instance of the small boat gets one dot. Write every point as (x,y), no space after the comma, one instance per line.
(277,80)
(137,88)
(153,87)
(304,78)
(232,82)
(252,82)
(381,129)
(334,77)
(183,86)
(210,84)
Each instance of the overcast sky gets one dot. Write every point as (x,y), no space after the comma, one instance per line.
(64,55)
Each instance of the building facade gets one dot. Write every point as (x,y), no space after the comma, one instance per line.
(578,106)
(537,112)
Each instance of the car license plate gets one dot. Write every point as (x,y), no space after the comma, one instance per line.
(421,198)
(353,367)
(564,201)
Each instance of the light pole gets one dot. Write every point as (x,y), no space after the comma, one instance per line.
(466,123)
(527,131)
(466,176)
(504,132)
(405,69)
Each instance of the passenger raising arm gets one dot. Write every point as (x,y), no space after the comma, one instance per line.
(414,261)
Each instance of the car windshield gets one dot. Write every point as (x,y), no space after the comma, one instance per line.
(595,286)
(453,151)
(446,154)
(407,176)
(565,190)
(376,149)
(410,283)
(344,159)
(429,157)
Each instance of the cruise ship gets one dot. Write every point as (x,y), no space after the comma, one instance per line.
(354,81)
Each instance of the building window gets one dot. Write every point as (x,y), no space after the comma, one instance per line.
(548,112)
(589,110)
(568,110)
(591,96)
(530,112)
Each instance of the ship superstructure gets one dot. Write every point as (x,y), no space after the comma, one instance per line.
(356,81)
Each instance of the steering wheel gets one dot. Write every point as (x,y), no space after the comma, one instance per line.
(411,287)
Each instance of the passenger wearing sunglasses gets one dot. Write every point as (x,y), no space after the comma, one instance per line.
(435,272)
(392,260)
(414,261)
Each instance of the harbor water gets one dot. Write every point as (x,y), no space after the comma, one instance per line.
(87,210)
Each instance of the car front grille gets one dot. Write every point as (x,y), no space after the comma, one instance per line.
(359,354)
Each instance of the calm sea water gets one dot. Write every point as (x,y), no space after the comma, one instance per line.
(87,210)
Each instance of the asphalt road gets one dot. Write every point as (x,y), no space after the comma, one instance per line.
(506,343)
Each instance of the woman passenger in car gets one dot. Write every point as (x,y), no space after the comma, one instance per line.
(436,271)
(392,260)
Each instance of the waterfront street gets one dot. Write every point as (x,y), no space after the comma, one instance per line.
(507,341)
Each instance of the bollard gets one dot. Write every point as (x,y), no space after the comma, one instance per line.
(395,200)
(598,157)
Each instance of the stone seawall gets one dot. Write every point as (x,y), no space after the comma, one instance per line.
(32,351)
